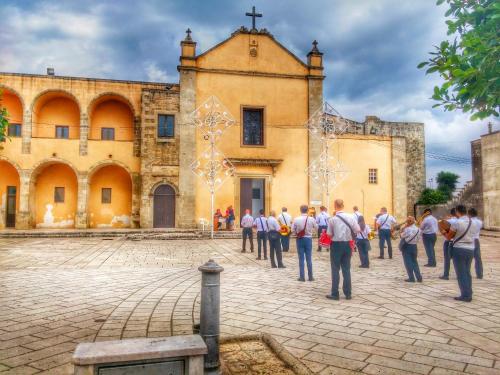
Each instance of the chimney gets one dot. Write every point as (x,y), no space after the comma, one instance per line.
(50,71)
(490,127)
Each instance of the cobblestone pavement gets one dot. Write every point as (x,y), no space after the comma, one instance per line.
(55,293)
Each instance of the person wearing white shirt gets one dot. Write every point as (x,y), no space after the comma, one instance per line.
(247,232)
(362,243)
(285,219)
(356,213)
(342,228)
(303,227)
(462,252)
(476,229)
(322,221)
(261,224)
(429,228)
(384,225)
(410,234)
(274,241)
(446,247)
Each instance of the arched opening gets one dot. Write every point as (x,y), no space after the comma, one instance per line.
(110,198)
(9,194)
(11,101)
(111,118)
(164,207)
(56,114)
(55,196)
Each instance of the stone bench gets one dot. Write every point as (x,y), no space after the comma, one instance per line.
(176,355)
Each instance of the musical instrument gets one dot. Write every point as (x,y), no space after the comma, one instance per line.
(422,217)
(444,226)
(397,228)
(371,235)
(285,230)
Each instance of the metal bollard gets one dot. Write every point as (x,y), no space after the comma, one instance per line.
(210,312)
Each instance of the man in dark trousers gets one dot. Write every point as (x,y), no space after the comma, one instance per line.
(261,224)
(429,228)
(247,232)
(384,224)
(446,247)
(342,228)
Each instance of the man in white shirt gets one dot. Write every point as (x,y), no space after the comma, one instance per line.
(410,235)
(356,213)
(429,228)
(247,232)
(261,224)
(322,221)
(274,241)
(476,230)
(342,228)
(446,247)
(304,226)
(285,219)
(384,225)
(462,252)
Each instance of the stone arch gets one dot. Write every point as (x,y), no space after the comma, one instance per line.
(46,162)
(13,163)
(111,110)
(72,119)
(104,163)
(152,187)
(15,92)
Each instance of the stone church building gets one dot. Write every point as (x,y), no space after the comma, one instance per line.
(101,153)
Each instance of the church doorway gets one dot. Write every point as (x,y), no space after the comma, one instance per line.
(252,195)
(164,207)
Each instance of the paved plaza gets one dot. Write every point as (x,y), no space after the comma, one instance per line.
(55,293)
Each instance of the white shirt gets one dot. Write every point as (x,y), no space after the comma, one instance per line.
(273,224)
(411,234)
(467,242)
(387,223)
(322,219)
(340,231)
(285,219)
(299,223)
(247,221)
(261,224)
(477,224)
(429,225)
(363,234)
(357,214)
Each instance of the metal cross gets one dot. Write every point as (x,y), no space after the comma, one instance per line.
(253,15)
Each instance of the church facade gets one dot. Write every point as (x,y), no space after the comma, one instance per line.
(99,153)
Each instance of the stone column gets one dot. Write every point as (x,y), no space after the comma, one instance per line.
(137,136)
(84,134)
(136,200)
(27,132)
(23,220)
(315,103)
(187,150)
(399,184)
(82,202)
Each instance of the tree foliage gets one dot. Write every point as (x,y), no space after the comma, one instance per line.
(4,123)
(431,197)
(447,183)
(469,64)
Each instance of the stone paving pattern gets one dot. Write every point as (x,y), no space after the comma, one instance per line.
(55,293)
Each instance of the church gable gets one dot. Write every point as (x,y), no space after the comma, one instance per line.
(252,52)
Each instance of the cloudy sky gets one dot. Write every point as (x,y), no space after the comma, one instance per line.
(371,50)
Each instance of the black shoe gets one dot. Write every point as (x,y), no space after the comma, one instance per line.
(258,258)
(363,266)
(273,266)
(380,257)
(251,250)
(265,258)
(463,299)
(390,257)
(479,277)
(282,266)
(409,280)
(420,280)
(243,251)
(301,279)
(428,265)
(311,279)
(348,297)
(335,298)
(443,277)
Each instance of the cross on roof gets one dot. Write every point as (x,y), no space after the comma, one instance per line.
(253,15)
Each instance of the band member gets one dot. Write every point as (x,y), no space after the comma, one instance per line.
(362,243)
(322,221)
(356,213)
(462,252)
(285,220)
(274,241)
(429,228)
(343,229)
(247,225)
(408,246)
(303,226)
(446,248)
(478,224)
(261,224)
(384,225)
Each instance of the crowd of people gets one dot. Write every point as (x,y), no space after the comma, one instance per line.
(344,233)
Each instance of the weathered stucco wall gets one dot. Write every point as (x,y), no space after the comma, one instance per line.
(490,149)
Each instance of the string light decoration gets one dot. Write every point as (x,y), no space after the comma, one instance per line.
(212,119)
(327,123)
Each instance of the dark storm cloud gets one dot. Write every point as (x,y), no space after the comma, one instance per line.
(371,49)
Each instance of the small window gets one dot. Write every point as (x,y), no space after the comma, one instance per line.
(108,134)
(166,124)
(62,132)
(14,130)
(253,127)
(59,195)
(106,195)
(372,176)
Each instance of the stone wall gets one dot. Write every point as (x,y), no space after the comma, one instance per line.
(490,152)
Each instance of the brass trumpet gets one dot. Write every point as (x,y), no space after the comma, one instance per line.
(422,217)
(371,235)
